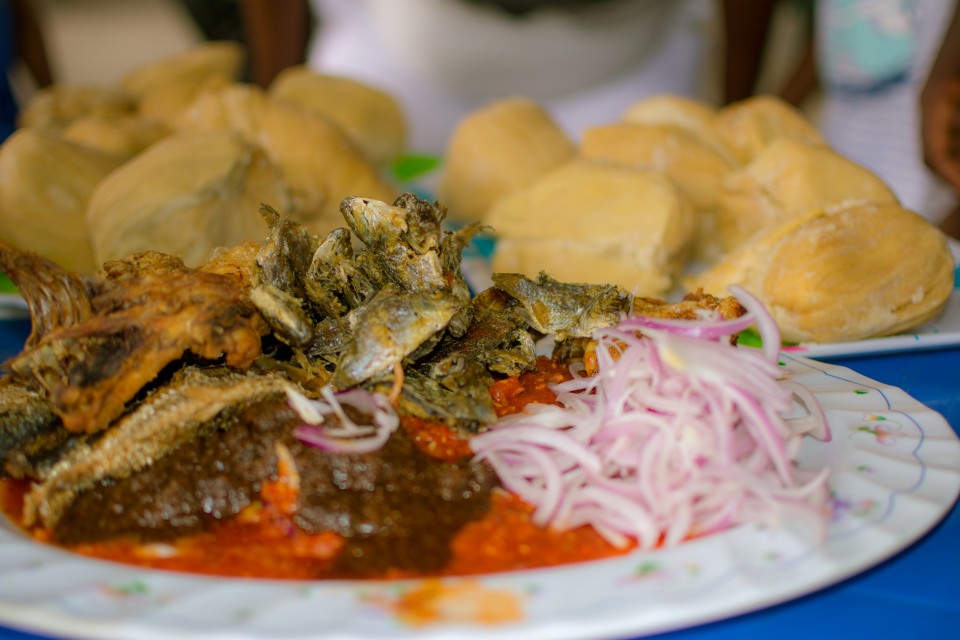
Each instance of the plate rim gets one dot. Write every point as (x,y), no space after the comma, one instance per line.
(48,616)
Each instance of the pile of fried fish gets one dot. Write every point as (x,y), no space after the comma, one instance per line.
(149,400)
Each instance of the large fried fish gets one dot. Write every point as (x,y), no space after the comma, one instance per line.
(95,352)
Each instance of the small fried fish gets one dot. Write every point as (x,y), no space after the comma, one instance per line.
(566,309)
(285,255)
(335,283)
(389,328)
(25,414)
(405,244)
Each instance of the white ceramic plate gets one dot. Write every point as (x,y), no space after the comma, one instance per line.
(896,473)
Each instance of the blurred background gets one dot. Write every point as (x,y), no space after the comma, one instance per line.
(97,41)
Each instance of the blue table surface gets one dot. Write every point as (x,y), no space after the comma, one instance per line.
(915,594)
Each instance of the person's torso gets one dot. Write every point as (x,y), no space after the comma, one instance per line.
(443,58)
(875,46)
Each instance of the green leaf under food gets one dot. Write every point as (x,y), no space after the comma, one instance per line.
(6,286)
(750,338)
(413,166)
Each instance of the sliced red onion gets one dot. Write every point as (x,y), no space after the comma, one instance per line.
(343,435)
(764,322)
(814,423)
(316,438)
(706,329)
(675,436)
(307,409)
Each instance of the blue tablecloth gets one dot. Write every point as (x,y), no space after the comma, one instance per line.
(916,594)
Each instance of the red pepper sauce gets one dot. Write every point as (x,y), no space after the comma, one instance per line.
(436,440)
(262,540)
(511,395)
(506,539)
(236,549)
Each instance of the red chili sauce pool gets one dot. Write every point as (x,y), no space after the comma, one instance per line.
(262,542)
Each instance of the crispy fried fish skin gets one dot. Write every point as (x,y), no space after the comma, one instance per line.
(24,415)
(454,390)
(284,313)
(498,336)
(55,296)
(238,263)
(451,258)
(144,263)
(34,458)
(205,481)
(404,243)
(566,309)
(690,307)
(424,221)
(169,417)
(284,257)
(142,323)
(389,328)
(335,283)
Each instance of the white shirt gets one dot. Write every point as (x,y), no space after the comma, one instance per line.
(445,58)
(874,57)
